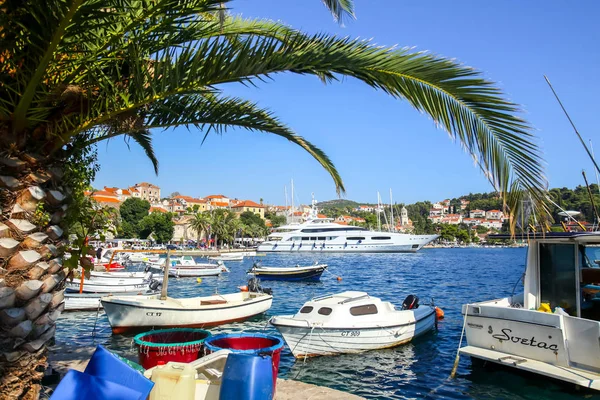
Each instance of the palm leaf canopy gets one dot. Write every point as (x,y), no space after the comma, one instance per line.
(100,69)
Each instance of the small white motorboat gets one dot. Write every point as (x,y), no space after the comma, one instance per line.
(228,257)
(90,286)
(91,301)
(352,322)
(126,313)
(186,266)
(97,275)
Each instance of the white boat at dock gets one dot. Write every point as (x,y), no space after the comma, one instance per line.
(127,314)
(553,328)
(90,286)
(352,322)
(186,266)
(228,257)
(91,301)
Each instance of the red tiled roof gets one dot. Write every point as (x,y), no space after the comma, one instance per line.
(494,211)
(248,203)
(321,216)
(111,189)
(215,196)
(106,199)
(158,209)
(103,193)
(219,203)
(341,223)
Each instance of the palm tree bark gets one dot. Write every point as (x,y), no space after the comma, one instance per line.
(31,274)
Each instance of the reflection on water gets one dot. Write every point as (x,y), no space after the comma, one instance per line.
(451,277)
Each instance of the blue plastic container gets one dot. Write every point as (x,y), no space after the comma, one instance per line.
(247,377)
(77,385)
(105,377)
(248,343)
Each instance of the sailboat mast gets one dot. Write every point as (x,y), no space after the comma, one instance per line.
(292,201)
(286,202)
(378,214)
(391,212)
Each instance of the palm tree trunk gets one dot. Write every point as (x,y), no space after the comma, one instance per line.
(31,270)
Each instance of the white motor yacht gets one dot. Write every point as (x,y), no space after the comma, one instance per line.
(552,328)
(322,235)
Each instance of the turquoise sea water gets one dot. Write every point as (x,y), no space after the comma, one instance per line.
(420,369)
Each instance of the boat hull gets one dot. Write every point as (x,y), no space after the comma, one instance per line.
(308,275)
(91,301)
(130,316)
(194,272)
(316,341)
(102,287)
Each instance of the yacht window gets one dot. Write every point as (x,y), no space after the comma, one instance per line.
(275,238)
(356,238)
(305,238)
(381,238)
(367,309)
(306,309)
(558,280)
(313,238)
(414,246)
(321,238)
(325,310)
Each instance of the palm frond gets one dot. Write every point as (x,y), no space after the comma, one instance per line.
(211,113)
(340,8)
(144,139)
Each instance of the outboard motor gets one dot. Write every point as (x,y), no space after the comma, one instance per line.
(411,302)
(154,284)
(254,286)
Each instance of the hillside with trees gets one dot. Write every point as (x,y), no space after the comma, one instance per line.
(577,199)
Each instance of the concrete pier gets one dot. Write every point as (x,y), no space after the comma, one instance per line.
(63,358)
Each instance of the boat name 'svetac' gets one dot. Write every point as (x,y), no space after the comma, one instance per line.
(524,341)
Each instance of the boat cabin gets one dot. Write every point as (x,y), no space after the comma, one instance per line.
(563,271)
(344,307)
(553,327)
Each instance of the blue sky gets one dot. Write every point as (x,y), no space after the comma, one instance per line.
(378,142)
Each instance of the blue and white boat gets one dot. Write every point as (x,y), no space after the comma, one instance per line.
(296,273)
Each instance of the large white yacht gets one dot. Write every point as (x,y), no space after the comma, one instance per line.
(322,235)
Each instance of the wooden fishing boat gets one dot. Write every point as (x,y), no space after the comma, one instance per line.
(352,322)
(297,273)
(128,314)
(91,301)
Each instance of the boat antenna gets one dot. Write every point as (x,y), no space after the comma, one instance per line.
(573,125)
(597,175)
(591,198)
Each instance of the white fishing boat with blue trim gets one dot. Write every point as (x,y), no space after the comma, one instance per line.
(353,322)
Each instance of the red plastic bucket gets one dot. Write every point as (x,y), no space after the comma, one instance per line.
(248,343)
(164,345)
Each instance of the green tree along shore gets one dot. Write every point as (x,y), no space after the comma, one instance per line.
(577,199)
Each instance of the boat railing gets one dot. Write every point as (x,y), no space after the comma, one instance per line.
(326,296)
(364,296)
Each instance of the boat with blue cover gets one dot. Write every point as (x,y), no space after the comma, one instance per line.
(296,273)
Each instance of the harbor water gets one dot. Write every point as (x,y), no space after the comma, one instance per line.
(420,369)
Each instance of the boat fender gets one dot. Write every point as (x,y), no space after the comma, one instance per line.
(439,313)
(411,302)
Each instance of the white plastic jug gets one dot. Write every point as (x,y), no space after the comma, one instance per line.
(174,381)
